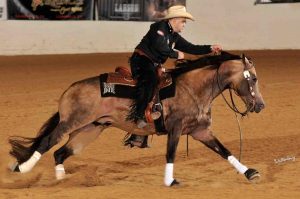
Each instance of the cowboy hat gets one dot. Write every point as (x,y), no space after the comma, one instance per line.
(178,11)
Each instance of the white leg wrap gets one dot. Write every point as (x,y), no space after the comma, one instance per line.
(29,164)
(60,172)
(240,167)
(169,174)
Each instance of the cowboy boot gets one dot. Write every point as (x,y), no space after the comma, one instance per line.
(132,140)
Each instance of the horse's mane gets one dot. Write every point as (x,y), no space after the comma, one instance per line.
(213,61)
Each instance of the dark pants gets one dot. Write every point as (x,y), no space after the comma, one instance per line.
(145,72)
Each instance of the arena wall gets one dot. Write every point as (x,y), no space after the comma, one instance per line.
(235,24)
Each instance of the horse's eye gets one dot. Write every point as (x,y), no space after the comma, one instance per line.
(254,79)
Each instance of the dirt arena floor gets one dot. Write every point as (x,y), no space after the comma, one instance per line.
(31,86)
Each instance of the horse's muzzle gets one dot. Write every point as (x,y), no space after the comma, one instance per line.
(258,107)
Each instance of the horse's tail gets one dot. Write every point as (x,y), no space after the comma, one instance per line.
(24,147)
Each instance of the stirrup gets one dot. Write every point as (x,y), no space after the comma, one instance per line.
(155,115)
(156,111)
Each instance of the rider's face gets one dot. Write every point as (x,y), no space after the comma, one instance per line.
(178,24)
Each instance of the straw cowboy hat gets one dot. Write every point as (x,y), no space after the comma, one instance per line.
(178,11)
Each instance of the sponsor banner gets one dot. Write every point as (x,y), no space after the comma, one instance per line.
(3,10)
(275,1)
(156,9)
(50,9)
(135,10)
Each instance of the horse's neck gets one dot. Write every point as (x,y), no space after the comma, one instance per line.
(204,85)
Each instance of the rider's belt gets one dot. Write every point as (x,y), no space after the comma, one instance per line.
(141,53)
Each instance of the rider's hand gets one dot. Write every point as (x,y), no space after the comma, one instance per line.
(216,48)
(180,55)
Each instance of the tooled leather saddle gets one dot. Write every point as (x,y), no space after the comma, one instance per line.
(121,84)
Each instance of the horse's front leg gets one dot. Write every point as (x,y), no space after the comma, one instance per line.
(173,139)
(207,138)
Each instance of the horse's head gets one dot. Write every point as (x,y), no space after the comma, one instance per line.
(243,80)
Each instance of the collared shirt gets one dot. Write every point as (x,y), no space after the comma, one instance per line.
(161,43)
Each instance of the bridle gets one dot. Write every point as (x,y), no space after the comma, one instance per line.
(233,106)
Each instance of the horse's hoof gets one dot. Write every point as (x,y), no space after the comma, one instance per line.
(252,175)
(14,167)
(174,183)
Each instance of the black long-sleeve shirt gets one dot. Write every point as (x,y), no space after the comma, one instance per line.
(161,43)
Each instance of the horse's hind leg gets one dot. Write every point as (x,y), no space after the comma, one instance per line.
(42,145)
(207,138)
(78,140)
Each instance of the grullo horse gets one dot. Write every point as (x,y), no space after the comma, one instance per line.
(83,114)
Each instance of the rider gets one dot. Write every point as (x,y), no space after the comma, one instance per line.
(160,43)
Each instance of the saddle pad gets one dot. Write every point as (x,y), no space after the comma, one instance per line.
(117,85)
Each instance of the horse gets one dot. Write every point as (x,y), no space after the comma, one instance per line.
(83,114)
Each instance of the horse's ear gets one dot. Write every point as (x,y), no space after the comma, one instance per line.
(246,62)
(244,58)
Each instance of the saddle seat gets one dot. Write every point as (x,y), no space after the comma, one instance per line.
(121,76)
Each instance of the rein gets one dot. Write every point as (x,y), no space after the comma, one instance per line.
(233,107)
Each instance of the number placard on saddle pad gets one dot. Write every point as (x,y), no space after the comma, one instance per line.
(110,89)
